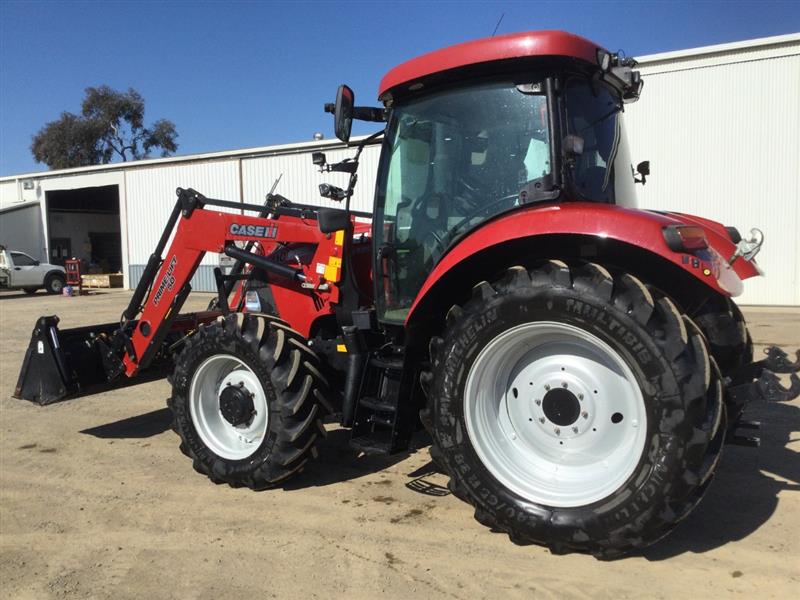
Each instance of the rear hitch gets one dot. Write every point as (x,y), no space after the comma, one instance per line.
(777,361)
(758,383)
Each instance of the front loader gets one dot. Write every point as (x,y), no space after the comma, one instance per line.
(578,363)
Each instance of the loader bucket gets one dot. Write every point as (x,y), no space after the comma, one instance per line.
(60,364)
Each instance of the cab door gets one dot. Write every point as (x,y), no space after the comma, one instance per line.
(25,270)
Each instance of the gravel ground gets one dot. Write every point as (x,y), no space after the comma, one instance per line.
(96,501)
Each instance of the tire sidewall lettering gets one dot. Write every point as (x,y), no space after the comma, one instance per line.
(657,381)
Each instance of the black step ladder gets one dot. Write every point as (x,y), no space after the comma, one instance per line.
(383,425)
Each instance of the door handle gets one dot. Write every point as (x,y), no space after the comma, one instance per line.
(18,268)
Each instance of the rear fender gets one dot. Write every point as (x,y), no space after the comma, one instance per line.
(633,239)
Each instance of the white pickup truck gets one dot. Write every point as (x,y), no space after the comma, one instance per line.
(18,271)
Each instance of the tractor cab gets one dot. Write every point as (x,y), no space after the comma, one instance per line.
(466,145)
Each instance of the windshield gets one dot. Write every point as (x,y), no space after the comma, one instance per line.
(454,159)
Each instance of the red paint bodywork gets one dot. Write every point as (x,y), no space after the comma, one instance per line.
(209,231)
(502,47)
(636,227)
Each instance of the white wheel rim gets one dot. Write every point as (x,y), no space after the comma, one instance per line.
(517,408)
(234,442)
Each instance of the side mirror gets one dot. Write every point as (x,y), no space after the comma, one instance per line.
(643,169)
(36,263)
(318,158)
(343,113)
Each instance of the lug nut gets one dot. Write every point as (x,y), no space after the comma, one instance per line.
(564,384)
(541,419)
(585,415)
(574,430)
(557,430)
(538,402)
(547,387)
(580,396)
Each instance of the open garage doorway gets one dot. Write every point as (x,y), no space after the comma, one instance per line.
(84,223)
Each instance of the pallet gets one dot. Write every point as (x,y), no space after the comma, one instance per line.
(102,280)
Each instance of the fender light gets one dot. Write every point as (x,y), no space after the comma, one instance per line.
(685,238)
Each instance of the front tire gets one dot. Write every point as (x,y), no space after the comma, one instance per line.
(575,410)
(248,400)
(54,284)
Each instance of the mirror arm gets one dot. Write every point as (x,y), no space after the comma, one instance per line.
(369,113)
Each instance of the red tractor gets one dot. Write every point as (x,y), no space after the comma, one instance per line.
(578,362)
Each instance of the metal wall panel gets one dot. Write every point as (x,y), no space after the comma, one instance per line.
(724,143)
(21,229)
(150,196)
(724,54)
(300,179)
(203,280)
(9,193)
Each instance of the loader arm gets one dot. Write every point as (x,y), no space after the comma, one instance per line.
(199,230)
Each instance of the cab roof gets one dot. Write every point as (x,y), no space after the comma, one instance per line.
(502,47)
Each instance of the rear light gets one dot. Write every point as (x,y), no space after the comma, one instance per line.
(685,238)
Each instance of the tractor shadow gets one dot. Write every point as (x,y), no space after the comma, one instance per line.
(338,462)
(743,496)
(744,493)
(140,426)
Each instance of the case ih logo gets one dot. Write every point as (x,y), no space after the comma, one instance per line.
(261,231)
(167,283)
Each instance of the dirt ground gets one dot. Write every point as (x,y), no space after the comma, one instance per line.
(96,501)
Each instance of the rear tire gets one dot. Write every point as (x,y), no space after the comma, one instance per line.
(54,284)
(725,329)
(729,342)
(276,435)
(648,364)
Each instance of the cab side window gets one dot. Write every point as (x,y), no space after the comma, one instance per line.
(22,260)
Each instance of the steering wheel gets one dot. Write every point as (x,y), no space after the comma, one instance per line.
(428,227)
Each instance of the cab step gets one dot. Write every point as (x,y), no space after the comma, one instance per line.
(380,425)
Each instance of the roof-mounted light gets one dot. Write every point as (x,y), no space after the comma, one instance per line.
(603,59)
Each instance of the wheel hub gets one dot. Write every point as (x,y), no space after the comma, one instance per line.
(236,404)
(555,414)
(561,407)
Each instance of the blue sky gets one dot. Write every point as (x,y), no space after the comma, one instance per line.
(241,74)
